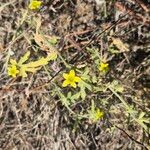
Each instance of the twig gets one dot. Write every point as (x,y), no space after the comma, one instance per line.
(142,5)
(108,28)
(131,137)
(75,44)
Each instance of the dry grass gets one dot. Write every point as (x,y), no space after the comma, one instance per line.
(36,112)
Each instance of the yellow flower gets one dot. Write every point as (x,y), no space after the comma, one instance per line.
(104,67)
(95,114)
(70,79)
(98,114)
(12,71)
(34,4)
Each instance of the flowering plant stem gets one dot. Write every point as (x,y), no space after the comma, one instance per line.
(131,111)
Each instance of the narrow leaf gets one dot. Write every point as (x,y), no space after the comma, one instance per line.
(24,58)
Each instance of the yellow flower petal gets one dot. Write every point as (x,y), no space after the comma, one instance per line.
(72,73)
(70,79)
(73,84)
(34,4)
(65,75)
(104,67)
(99,114)
(77,79)
(12,71)
(65,83)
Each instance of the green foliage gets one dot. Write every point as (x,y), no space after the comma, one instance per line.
(95,113)
(141,120)
(54,40)
(84,84)
(113,50)
(65,101)
(116,86)
(32,66)
(94,54)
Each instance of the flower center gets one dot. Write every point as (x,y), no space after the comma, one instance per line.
(71,79)
(13,71)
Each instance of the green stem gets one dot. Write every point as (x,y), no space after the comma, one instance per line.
(119,97)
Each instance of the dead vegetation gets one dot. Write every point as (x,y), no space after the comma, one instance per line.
(36,112)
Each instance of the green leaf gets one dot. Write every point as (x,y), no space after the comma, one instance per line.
(117,86)
(142,114)
(95,113)
(83,86)
(94,79)
(52,56)
(70,98)
(24,58)
(22,71)
(54,40)
(142,122)
(83,93)
(41,62)
(33,65)
(113,50)
(76,96)
(13,62)
(83,83)
(64,99)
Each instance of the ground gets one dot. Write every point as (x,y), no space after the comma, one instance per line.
(106,44)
